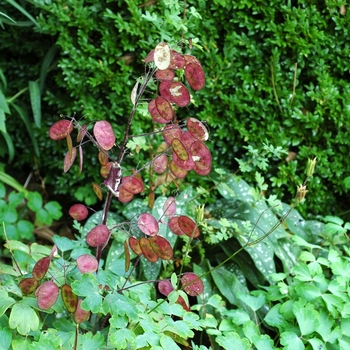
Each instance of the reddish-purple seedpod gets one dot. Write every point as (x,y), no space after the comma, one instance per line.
(202,158)
(195,76)
(160,163)
(164,108)
(124,195)
(132,184)
(177,60)
(70,299)
(40,268)
(169,207)
(170,132)
(78,212)
(187,139)
(28,285)
(147,251)
(148,224)
(184,164)
(104,134)
(165,287)
(80,315)
(191,59)
(60,130)
(174,226)
(175,92)
(179,149)
(188,226)
(161,247)
(134,245)
(81,133)
(87,263)
(165,74)
(197,129)
(178,172)
(155,114)
(192,284)
(47,294)
(69,159)
(150,57)
(97,236)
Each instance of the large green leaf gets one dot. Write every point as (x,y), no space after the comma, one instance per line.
(23,318)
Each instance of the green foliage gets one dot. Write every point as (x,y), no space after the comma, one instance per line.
(15,209)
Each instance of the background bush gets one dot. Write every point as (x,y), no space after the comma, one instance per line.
(277,72)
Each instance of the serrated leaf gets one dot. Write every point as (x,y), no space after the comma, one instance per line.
(291,341)
(307,317)
(232,341)
(89,287)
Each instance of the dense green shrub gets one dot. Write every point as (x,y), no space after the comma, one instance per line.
(277,73)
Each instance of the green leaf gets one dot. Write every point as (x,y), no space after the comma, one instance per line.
(333,303)
(307,291)
(326,324)
(5,302)
(91,341)
(317,344)
(88,287)
(43,217)
(45,66)
(168,343)
(10,145)
(2,122)
(54,209)
(23,318)
(35,201)
(308,318)
(26,229)
(275,319)
(23,11)
(5,338)
(16,245)
(63,243)
(122,338)
(227,283)
(255,303)
(263,342)
(118,304)
(232,341)
(291,341)
(3,104)
(35,100)
(43,344)
(24,116)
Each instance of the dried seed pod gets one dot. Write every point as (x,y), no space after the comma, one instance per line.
(78,212)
